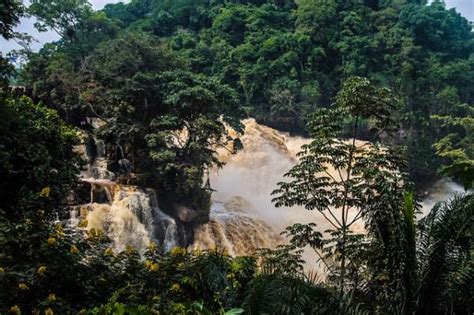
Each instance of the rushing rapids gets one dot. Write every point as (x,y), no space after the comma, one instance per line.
(440,191)
(242,216)
(127,214)
(130,216)
(233,226)
(253,173)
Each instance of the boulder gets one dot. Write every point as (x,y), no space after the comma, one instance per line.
(184,213)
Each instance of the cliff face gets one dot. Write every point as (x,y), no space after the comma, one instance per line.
(128,215)
(108,199)
(242,216)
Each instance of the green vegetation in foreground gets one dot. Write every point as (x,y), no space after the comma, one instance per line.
(150,68)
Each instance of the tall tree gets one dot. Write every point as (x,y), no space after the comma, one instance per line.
(10,13)
(457,147)
(445,246)
(61,16)
(37,164)
(347,180)
(169,121)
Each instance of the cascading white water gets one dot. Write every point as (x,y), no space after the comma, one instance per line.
(128,215)
(130,218)
(235,227)
(120,224)
(242,218)
(253,173)
(74,219)
(440,191)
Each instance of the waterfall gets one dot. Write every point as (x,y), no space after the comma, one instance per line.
(130,217)
(251,175)
(233,226)
(242,216)
(440,191)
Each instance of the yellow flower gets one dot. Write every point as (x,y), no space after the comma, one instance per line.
(15,309)
(2,271)
(151,266)
(52,297)
(154,267)
(95,233)
(178,251)
(92,233)
(45,192)
(152,246)
(48,311)
(74,250)
(175,288)
(52,241)
(197,251)
(42,270)
(109,252)
(23,286)
(58,230)
(129,250)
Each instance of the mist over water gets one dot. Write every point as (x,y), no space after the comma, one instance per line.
(250,176)
(242,218)
(443,190)
(130,218)
(253,173)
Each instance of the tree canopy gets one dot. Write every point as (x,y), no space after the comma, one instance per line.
(285,59)
(383,88)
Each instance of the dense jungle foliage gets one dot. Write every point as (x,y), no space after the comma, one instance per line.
(276,61)
(397,73)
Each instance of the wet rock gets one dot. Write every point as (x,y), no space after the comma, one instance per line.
(71,199)
(125,166)
(184,213)
(91,148)
(102,173)
(128,179)
(100,191)
(82,193)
